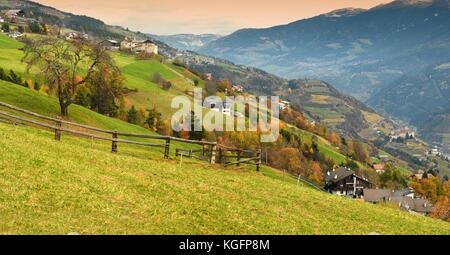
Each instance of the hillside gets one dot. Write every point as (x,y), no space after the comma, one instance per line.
(95,192)
(51,16)
(138,74)
(316,99)
(424,98)
(364,53)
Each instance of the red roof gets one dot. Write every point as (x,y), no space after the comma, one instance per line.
(378,167)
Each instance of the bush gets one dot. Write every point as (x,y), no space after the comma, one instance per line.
(166,85)
(6,28)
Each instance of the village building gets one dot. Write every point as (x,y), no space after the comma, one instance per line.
(377,195)
(404,199)
(385,195)
(284,105)
(134,46)
(2,20)
(219,106)
(403,133)
(344,182)
(238,88)
(111,45)
(208,76)
(379,168)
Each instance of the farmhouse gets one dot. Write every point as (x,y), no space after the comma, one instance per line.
(343,181)
(111,45)
(145,46)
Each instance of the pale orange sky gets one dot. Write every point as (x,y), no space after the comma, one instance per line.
(202,16)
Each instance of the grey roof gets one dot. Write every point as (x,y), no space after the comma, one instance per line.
(338,174)
(402,193)
(376,195)
(422,206)
(14,12)
(416,205)
(405,203)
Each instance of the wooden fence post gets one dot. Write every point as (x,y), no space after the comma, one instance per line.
(167,149)
(58,125)
(258,163)
(238,157)
(115,135)
(212,159)
(220,157)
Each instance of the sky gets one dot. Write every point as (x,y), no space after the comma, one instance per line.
(166,17)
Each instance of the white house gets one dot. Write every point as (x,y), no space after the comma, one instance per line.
(284,105)
(219,106)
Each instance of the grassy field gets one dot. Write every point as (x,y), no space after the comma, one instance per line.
(77,186)
(138,74)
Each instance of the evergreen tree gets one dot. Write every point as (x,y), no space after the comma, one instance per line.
(132,115)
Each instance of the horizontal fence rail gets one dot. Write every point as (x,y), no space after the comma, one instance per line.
(210,151)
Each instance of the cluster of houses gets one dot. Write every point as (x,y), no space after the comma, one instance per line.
(405,199)
(132,45)
(402,133)
(345,182)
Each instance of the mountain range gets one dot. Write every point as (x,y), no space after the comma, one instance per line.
(384,55)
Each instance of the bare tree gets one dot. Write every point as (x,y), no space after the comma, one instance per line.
(66,66)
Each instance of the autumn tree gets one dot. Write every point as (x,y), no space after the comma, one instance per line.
(392,178)
(154,120)
(106,90)
(441,209)
(66,66)
(360,153)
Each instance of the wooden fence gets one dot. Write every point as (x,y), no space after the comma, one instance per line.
(208,152)
(234,156)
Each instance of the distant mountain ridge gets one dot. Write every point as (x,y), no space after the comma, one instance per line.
(357,50)
(186,41)
(364,53)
